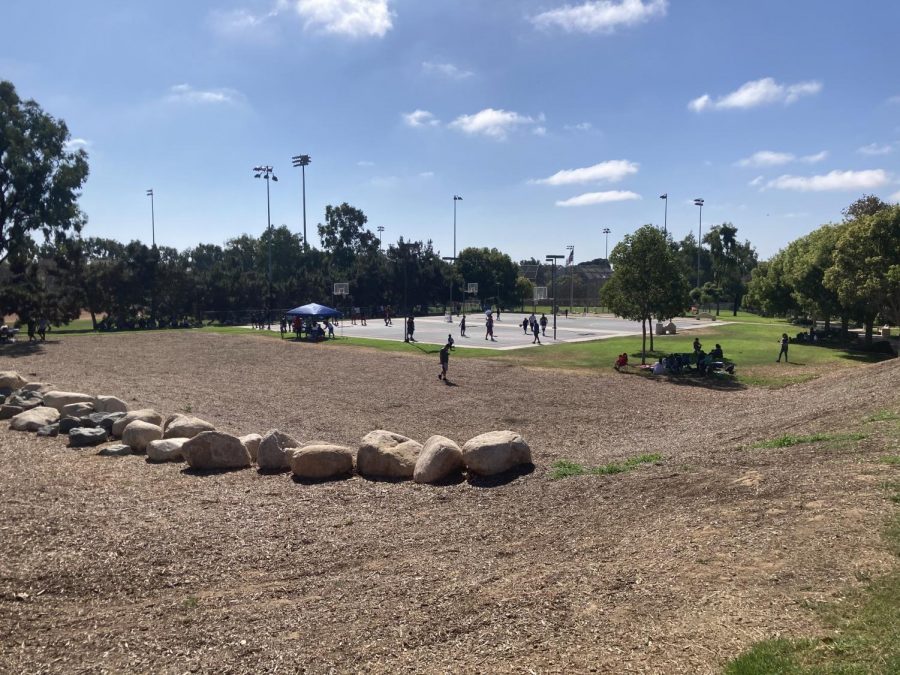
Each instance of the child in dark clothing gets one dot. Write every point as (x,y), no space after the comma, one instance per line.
(445,361)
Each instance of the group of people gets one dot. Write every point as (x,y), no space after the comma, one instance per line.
(676,364)
(535,326)
(313,329)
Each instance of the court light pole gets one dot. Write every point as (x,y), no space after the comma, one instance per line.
(552,259)
(380,229)
(267,172)
(606,231)
(570,262)
(456,198)
(666,212)
(152,216)
(452,262)
(302,161)
(699,202)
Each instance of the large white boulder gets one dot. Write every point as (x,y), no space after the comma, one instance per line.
(185,426)
(139,434)
(166,450)
(251,442)
(39,387)
(495,452)
(321,462)
(60,399)
(272,454)
(384,454)
(215,450)
(439,459)
(34,419)
(144,415)
(10,379)
(110,404)
(81,409)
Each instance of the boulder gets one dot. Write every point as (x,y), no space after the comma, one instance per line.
(60,399)
(50,431)
(495,452)
(320,462)
(251,442)
(118,450)
(384,454)
(26,400)
(80,437)
(82,409)
(66,424)
(215,450)
(185,426)
(272,453)
(8,411)
(138,435)
(110,404)
(107,420)
(144,415)
(440,458)
(39,387)
(10,379)
(34,419)
(166,450)
(87,422)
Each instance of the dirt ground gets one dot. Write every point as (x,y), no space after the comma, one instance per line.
(117,565)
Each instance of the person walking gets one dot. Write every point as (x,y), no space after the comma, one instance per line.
(544,325)
(489,328)
(410,328)
(525,325)
(445,361)
(43,327)
(536,329)
(462,326)
(784,348)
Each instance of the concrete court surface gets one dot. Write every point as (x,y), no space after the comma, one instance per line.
(508,333)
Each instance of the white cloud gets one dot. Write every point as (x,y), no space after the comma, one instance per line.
(447,70)
(611,171)
(539,131)
(76,144)
(765,158)
(756,181)
(353,18)
(895,197)
(581,126)
(489,122)
(875,149)
(426,174)
(239,22)
(185,93)
(601,16)
(756,93)
(384,181)
(591,198)
(834,180)
(365,162)
(420,118)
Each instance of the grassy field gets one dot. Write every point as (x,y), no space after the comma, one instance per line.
(750,341)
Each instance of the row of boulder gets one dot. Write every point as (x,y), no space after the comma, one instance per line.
(95,420)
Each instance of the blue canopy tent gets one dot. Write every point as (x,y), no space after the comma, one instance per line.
(316,311)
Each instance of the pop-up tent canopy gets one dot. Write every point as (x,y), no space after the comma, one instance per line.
(315,310)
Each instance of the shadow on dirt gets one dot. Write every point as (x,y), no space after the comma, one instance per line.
(501,479)
(17,350)
(321,481)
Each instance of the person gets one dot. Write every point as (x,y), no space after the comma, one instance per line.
(702,362)
(297,326)
(659,367)
(450,340)
(784,348)
(621,361)
(697,345)
(31,329)
(330,327)
(536,329)
(387,316)
(410,328)
(717,354)
(283,326)
(498,312)
(567,312)
(445,361)
(544,325)
(43,326)
(489,328)
(462,326)
(525,325)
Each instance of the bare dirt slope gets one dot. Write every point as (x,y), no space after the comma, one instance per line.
(115,564)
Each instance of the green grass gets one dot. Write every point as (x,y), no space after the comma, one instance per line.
(883,416)
(566,469)
(788,440)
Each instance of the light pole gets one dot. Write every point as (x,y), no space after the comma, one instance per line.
(380,229)
(152,215)
(569,263)
(666,212)
(451,261)
(699,202)
(456,198)
(267,172)
(606,231)
(302,161)
(553,259)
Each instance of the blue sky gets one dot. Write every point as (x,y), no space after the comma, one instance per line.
(552,119)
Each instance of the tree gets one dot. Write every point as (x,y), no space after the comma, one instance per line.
(867,205)
(493,271)
(647,280)
(770,291)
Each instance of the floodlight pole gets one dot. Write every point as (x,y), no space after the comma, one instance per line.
(380,229)
(267,172)
(452,262)
(553,259)
(302,161)
(571,247)
(699,202)
(152,216)
(606,231)
(456,198)
(665,196)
